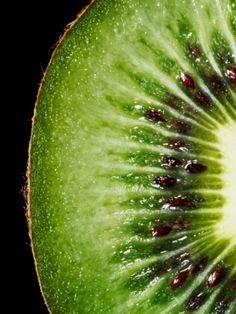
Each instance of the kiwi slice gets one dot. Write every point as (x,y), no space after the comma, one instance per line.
(132,167)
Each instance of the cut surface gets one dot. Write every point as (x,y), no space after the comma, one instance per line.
(133,162)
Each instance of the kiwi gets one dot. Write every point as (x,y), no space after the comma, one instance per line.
(132,161)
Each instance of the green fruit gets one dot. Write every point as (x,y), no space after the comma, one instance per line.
(132,169)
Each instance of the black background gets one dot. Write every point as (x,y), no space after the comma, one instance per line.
(39,25)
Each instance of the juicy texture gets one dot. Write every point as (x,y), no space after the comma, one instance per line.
(130,187)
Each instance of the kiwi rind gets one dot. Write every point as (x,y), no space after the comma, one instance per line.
(26,190)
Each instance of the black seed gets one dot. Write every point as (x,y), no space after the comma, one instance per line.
(200,266)
(177,144)
(202,99)
(216,83)
(154,116)
(231,74)
(177,103)
(222,306)
(194,168)
(165,181)
(161,230)
(173,101)
(195,301)
(216,277)
(187,80)
(171,162)
(179,224)
(180,258)
(178,201)
(181,127)
(194,51)
(180,279)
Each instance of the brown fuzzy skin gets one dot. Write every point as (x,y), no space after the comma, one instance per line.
(26,188)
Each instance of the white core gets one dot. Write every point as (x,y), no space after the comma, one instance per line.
(227,146)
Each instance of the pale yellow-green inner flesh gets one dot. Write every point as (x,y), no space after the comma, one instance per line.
(227,145)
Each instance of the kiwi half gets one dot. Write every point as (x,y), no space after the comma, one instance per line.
(132,169)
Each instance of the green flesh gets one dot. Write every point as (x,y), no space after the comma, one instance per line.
(94,158)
